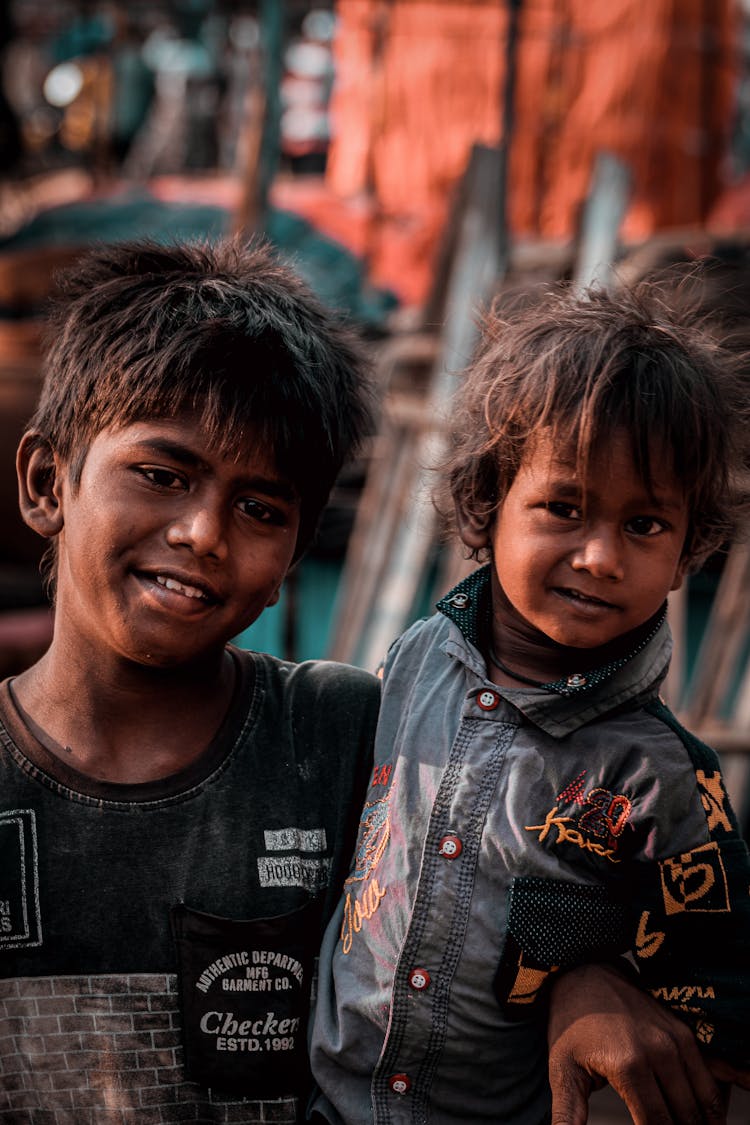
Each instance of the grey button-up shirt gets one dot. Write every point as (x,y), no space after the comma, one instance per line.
(482,799)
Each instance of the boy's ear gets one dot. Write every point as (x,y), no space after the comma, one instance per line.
(474,531)
(38,496)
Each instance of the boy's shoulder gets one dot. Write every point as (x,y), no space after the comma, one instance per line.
(324,687)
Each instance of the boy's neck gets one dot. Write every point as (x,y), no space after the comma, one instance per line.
(129,725)
(518,654)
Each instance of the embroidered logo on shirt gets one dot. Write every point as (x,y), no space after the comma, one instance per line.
(20,912)
(596,828)
(605,815)
(695,880)
(648,942)
(523,981)
(682,994)
(381,775)
(713,799)
(682,997)
(374,830)
(573,793)
(363,892)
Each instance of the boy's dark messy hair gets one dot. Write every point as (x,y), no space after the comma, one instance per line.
(140,330)
(581,366)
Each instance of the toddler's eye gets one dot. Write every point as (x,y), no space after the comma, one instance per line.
(257,510)
(645,525)
(562,510)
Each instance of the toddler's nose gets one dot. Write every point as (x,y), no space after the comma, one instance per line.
(600,553)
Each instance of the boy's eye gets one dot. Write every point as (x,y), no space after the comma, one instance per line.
(645,525)
(563,510)
(163,478)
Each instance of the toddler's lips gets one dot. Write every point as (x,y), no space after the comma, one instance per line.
(584,600)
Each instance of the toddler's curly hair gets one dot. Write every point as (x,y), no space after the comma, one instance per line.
(582,365)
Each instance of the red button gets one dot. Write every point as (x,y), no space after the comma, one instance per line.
(450,847)
(488,700)
(419,979)
(399,1083)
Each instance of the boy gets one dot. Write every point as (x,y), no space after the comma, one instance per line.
(533,804)
(162,791)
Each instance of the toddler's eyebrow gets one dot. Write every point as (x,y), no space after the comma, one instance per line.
(563,481)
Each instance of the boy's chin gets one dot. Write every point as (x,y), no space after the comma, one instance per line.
(169,661)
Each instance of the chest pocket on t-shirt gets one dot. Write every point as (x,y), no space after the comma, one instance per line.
(245,996)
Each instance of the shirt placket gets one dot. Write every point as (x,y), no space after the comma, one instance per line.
(431,952)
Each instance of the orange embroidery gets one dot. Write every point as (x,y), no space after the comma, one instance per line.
(695,880)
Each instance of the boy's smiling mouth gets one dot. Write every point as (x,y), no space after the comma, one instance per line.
(188,591)
(199,594)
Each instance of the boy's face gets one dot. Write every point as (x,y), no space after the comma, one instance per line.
(167,549)
(586,567)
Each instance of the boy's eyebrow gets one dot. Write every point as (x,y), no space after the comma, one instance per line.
(271,485)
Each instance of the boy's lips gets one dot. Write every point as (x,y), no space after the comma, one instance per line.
(187,586)
(173,584)
(579,598)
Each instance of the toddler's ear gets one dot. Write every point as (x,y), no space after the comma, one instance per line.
(38,497)
(474,531)
(682,571)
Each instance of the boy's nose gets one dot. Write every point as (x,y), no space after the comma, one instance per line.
(600,554)
(201,529)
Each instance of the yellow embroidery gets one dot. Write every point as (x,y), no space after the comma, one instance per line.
(356,910)
(527,983)
(682,993)
(567,835)
(713,798)
(374,833)
(647,944)
(695,881)
(705,1031)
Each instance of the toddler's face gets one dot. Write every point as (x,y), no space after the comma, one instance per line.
(585,566)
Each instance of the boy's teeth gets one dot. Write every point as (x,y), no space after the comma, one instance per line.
(172,584)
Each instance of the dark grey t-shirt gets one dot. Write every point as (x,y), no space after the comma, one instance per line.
(157,941)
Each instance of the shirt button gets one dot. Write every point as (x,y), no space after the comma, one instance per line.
(488,700)
(400,1083)
(460,601)
(450,847)
(419,979)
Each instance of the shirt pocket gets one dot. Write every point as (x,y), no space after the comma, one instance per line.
(245,999)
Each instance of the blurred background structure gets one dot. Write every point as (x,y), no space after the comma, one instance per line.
(414,159)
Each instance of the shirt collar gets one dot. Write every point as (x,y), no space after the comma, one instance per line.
(468,607)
